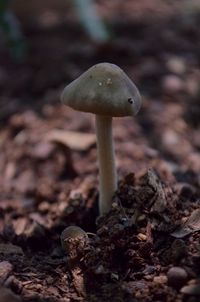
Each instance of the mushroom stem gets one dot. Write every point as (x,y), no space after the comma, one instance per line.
(106,157)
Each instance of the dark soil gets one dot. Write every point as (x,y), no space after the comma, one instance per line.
(147,248)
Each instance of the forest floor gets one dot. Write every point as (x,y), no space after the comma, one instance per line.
(147,248)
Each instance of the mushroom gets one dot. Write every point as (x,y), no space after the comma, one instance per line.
(106,91)
(74,241)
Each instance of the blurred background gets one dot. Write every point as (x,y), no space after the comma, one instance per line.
(45,44)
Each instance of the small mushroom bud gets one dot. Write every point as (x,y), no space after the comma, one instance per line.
(74,240)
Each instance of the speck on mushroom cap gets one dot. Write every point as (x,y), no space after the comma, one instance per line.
(103,89)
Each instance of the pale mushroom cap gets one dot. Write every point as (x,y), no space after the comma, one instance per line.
(104,89)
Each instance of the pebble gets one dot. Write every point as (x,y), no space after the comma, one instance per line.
(177,277)
(191,289)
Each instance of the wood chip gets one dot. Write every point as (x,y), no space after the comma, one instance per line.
(191,225)
(74,140)
(160,279)
(9,249)
(5,269)
(42,150)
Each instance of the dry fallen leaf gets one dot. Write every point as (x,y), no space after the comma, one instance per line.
(191,225)
(74,140)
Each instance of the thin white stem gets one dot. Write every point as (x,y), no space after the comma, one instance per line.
(106,157)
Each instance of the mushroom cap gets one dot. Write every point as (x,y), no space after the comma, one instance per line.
(104,89)
(71,234)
